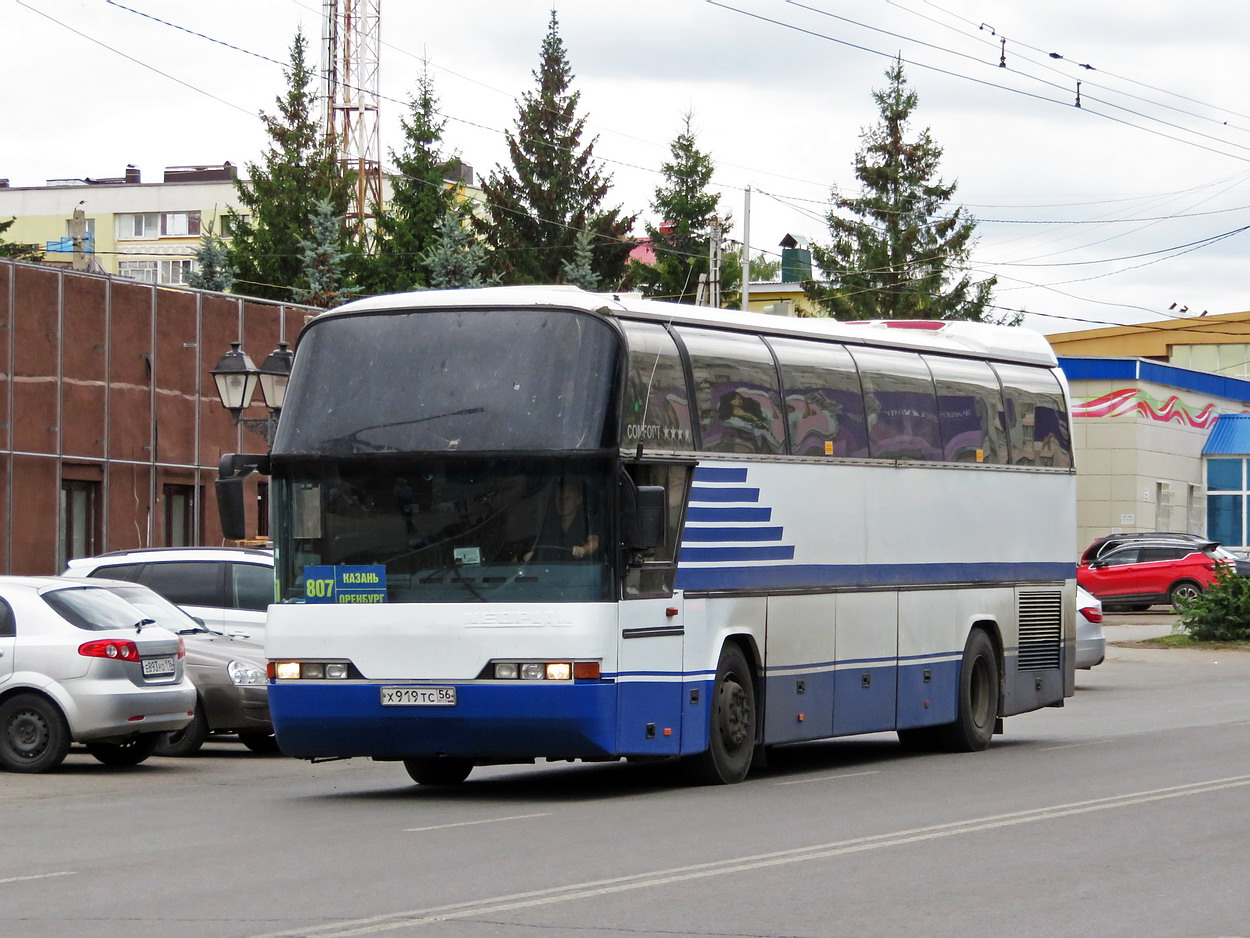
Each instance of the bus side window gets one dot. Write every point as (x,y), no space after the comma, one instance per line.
(1037,419)
(736,391)
(824,402)
(654,573)
(970,410)
(656,406)
(900,405)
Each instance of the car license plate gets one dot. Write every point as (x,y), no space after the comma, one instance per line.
(157,667)
(417,696)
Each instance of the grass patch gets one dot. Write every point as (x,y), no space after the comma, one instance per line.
(1181,640)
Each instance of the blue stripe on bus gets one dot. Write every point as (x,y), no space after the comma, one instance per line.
(791,576)
(736,515)
(772,533)
(722,554)
(719,474)
(701,494)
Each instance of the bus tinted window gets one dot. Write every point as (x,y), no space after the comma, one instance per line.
(1037,421)
(900,405)
(656,408)
(735,388)
(463,380)
(824,403)
(970,411)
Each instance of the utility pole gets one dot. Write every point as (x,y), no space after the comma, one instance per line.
(746,251)
(78,236)
(715,233)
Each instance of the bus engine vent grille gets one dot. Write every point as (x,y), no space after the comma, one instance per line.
(1041,630)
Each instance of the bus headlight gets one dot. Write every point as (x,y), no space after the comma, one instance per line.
(310,670)
(541,671)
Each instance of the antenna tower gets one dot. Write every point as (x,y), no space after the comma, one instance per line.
(350,42)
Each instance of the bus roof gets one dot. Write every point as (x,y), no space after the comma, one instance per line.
(982,340)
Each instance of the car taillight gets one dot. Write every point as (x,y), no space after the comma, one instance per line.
(122,650)
(182,647)
(1092,614)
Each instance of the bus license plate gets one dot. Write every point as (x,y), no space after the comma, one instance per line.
(156,667)
(418,696)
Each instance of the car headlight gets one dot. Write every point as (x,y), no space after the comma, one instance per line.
(243,672)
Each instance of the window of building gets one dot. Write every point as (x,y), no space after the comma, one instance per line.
(176,272)
(149,225)
(181,509)
(143,271)
(79,535)
(1226,500)
(180,224)
(262,509)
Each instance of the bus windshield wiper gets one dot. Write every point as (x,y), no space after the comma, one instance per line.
(356,444)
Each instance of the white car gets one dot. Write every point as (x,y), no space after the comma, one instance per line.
(79,664)
(1091,646)
(228,588)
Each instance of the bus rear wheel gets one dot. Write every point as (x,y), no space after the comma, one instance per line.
(978,698)
(731,731)
(438,771)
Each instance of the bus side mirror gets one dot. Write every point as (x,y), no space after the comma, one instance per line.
(230,508)
(643,521)
(231,472)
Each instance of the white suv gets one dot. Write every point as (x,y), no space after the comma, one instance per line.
(230,588)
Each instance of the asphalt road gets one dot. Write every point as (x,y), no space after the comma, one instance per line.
(1122,814)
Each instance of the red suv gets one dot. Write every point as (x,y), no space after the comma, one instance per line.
(1137,571)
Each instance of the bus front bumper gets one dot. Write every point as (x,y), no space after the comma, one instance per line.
(493,722)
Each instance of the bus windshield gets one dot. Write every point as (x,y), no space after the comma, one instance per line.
(451,529)
(451,381)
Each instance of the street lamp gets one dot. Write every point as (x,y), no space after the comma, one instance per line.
(237,378)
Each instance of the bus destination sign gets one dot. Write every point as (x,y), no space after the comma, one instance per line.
(324,583)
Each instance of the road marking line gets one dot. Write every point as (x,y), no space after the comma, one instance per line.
(24,879)
(1091,742)
(494,906)
(493,820)
(828,778)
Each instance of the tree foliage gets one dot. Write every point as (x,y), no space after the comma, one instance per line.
(408,227)
(298,171)
(685,211)
(554,187)
(896,250)
(323,282)
(1222,612)
(456,258)
(20,252)
(213,270)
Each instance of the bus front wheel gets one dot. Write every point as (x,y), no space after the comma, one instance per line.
(731,731)
(978,698)
(438,771)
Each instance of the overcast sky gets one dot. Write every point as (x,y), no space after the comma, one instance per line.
(1105,213)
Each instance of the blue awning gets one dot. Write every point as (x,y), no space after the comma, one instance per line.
(1229,437)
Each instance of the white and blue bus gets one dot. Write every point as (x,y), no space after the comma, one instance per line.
(520,523)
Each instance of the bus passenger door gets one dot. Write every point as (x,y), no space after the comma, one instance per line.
(649,676)
(865,683)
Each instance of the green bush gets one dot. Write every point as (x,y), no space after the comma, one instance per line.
(1222,613)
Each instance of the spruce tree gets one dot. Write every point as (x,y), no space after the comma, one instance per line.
(580,270)
(420,198)
(213,270)
(684,211)
(554,187)
(298,171)
(900,252)
(456,258)
(322,279)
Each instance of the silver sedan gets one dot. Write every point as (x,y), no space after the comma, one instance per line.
(79,664)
